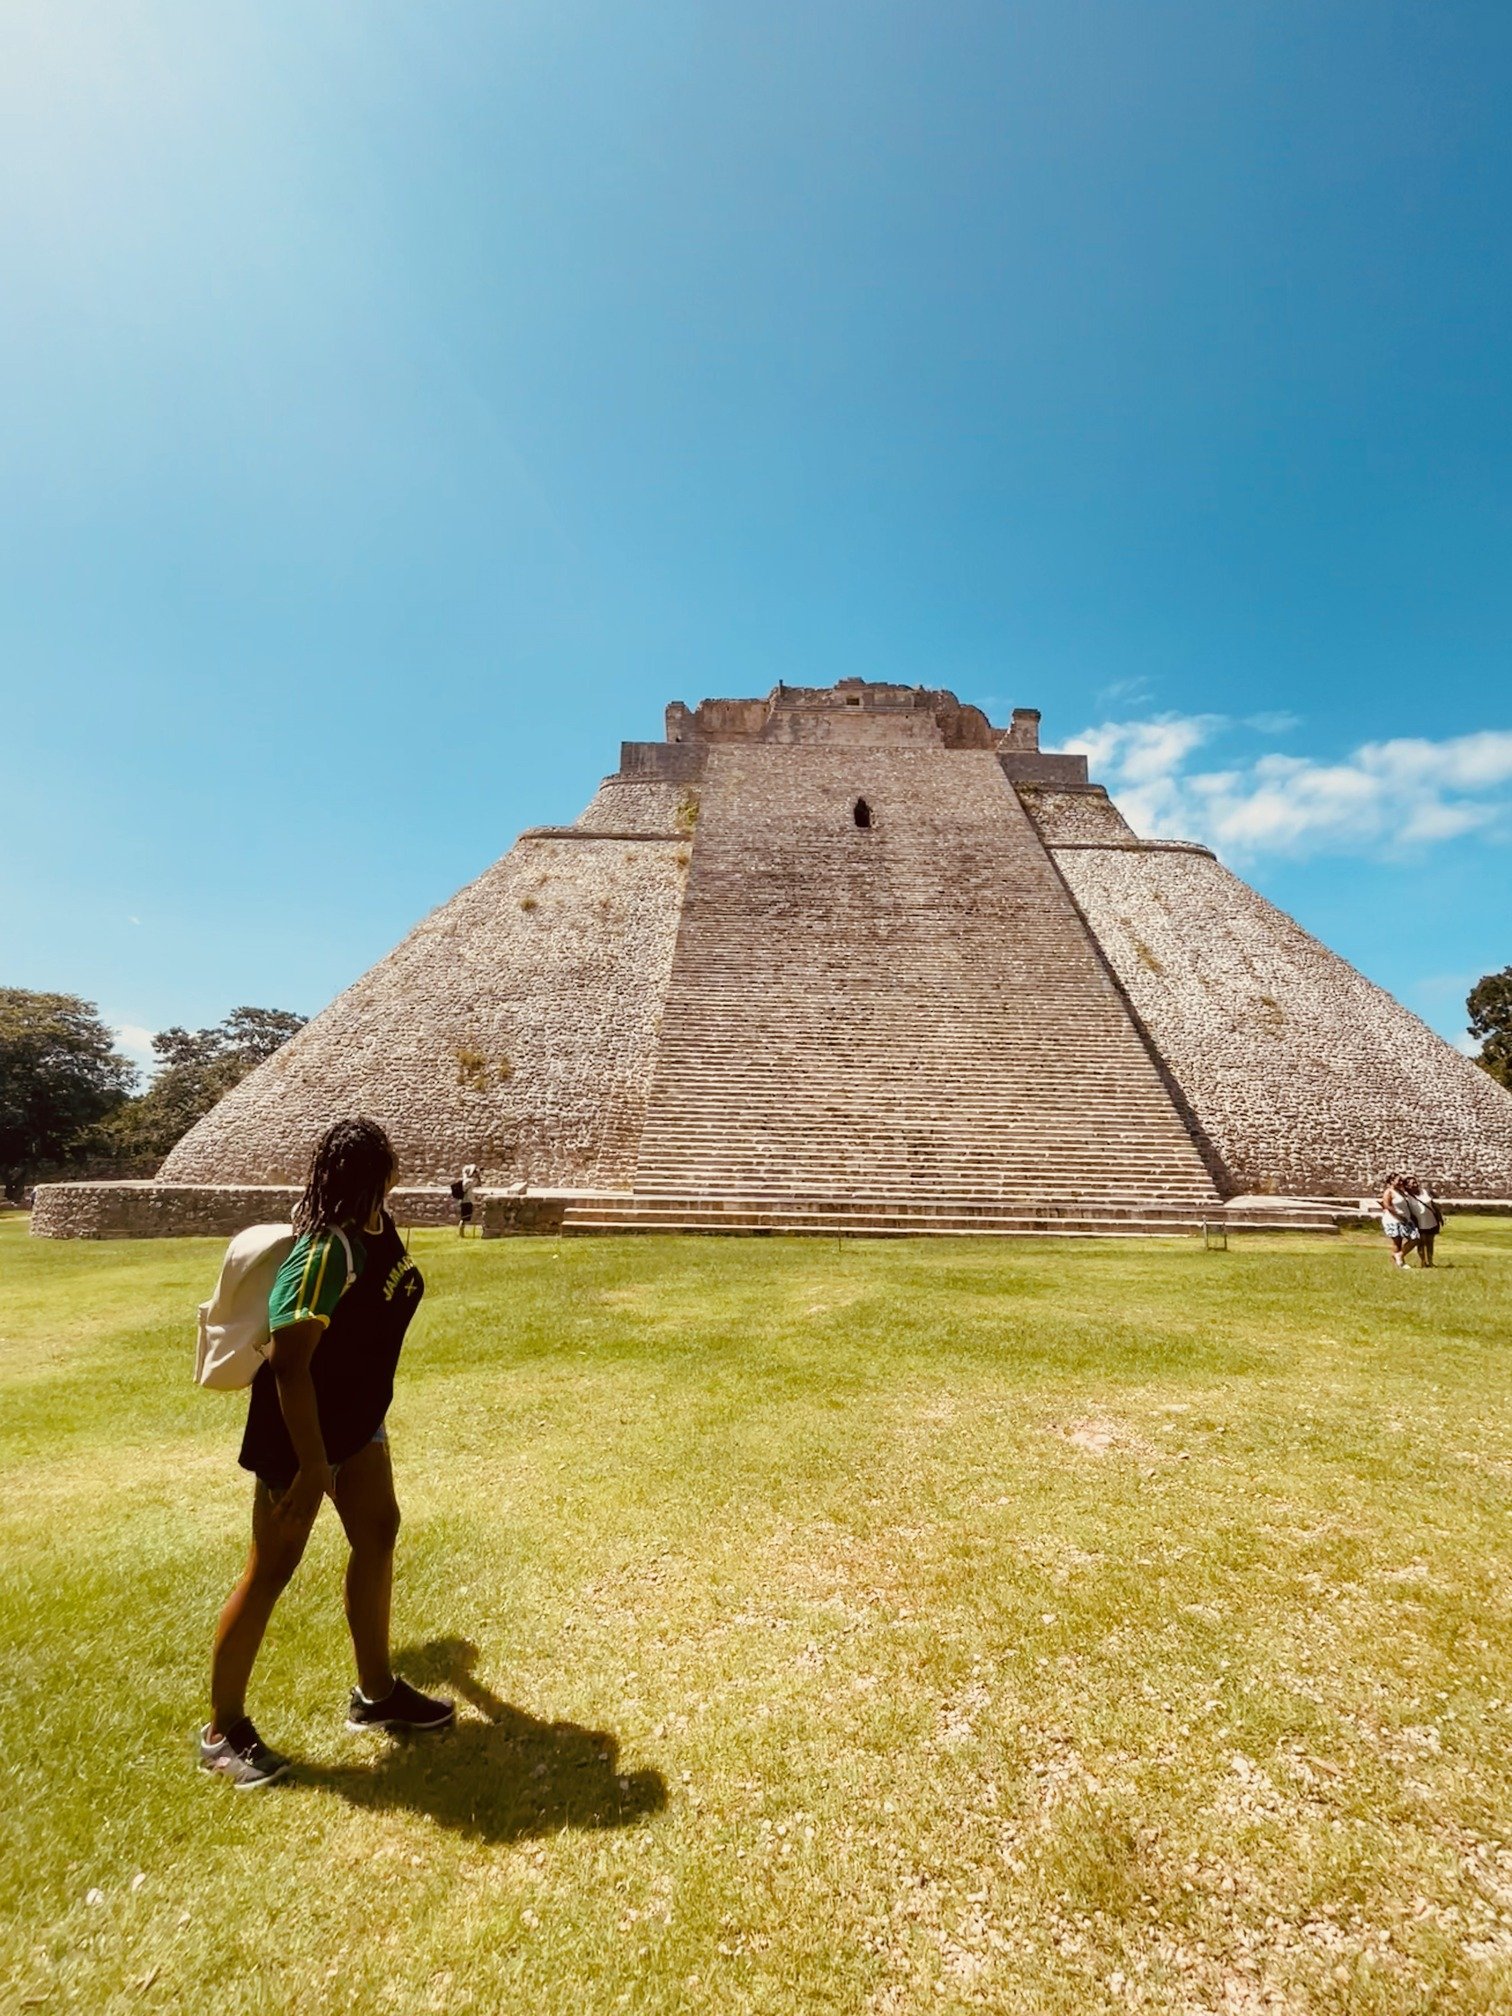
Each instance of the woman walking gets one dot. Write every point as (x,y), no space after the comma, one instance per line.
(315,1427)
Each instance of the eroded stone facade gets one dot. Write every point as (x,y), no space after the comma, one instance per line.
(1304,1075)
(1088,815)
(724,978)
(158,1210)
(633,805)
(907,1007)
(515,1028)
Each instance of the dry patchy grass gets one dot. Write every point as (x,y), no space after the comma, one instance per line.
(902,1627)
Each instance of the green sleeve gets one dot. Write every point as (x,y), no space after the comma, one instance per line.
(310,1282)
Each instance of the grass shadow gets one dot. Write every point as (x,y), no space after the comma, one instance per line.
(504,1778)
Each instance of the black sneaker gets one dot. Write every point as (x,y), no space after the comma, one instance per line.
(242,1756)
(403,1707)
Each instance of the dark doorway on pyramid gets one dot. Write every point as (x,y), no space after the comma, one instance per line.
(863,813)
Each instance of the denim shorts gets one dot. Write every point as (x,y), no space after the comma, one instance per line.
(278,1489)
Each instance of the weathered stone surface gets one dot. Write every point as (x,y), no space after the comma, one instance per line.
(911,1008)
(1304,1075)
(158,1210)
(1088,815)
(629,804)
(853,713)
(989,996)
(515,1028)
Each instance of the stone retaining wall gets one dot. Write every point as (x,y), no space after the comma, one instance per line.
(179,1210)
(1074,815)
(520,1217)
(638,804)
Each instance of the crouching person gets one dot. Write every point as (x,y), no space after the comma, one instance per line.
(337,1316)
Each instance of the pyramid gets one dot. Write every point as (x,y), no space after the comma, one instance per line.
(852,957)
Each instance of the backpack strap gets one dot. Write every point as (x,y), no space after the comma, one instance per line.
(351,1264)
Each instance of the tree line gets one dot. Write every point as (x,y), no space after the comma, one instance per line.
(69,1101)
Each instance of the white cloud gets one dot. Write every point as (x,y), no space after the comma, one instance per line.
(1383,795)
(1467,762)
(1126,692)
(1276,723)
(135,1042)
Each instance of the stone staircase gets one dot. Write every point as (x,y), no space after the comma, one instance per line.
(905,1022)
(883,1217)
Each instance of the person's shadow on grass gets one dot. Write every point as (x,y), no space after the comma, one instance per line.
(501,1779)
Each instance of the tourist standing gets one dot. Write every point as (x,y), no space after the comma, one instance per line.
(1426,1216)
(1397,1221)
(315,1428)
(463,1190)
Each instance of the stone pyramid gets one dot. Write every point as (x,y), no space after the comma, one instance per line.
(853,957)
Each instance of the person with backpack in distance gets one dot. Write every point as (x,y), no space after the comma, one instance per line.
(1426,1215)
(462,1192)
(340,1304)
(1397,1221)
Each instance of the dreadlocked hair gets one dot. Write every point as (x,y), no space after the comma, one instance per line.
(351,1168)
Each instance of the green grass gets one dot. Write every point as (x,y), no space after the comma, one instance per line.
(1039,1628)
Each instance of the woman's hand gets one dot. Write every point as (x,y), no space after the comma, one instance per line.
(299,1504)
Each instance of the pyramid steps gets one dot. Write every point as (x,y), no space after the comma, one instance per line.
(889,1217)
(913,1011)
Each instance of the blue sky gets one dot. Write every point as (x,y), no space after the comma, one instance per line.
(401,404)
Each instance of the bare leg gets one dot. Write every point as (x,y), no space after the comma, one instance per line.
(276,1551)
(364,1495)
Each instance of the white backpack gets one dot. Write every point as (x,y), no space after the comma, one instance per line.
(233,1324)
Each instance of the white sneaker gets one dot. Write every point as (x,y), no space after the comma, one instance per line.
(242,1756)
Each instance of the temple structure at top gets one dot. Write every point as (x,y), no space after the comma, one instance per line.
(856,958)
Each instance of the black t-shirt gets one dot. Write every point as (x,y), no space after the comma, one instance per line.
(353,1366)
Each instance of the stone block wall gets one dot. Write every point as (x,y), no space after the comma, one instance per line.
(868,713)
(1305,1076)
(642,805)
(215,1210)
(1088,815)
(516,1027)
(521,1217)
(156,1211)
(671,762)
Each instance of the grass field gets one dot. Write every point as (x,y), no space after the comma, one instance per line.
(1041,1628)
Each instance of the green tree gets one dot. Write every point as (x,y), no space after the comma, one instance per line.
(60,1073)
(196,1068)
(1490,1006)
(255,1033)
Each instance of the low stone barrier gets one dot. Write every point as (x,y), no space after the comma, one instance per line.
(517,1217)
(147,1210)
(175,1210)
